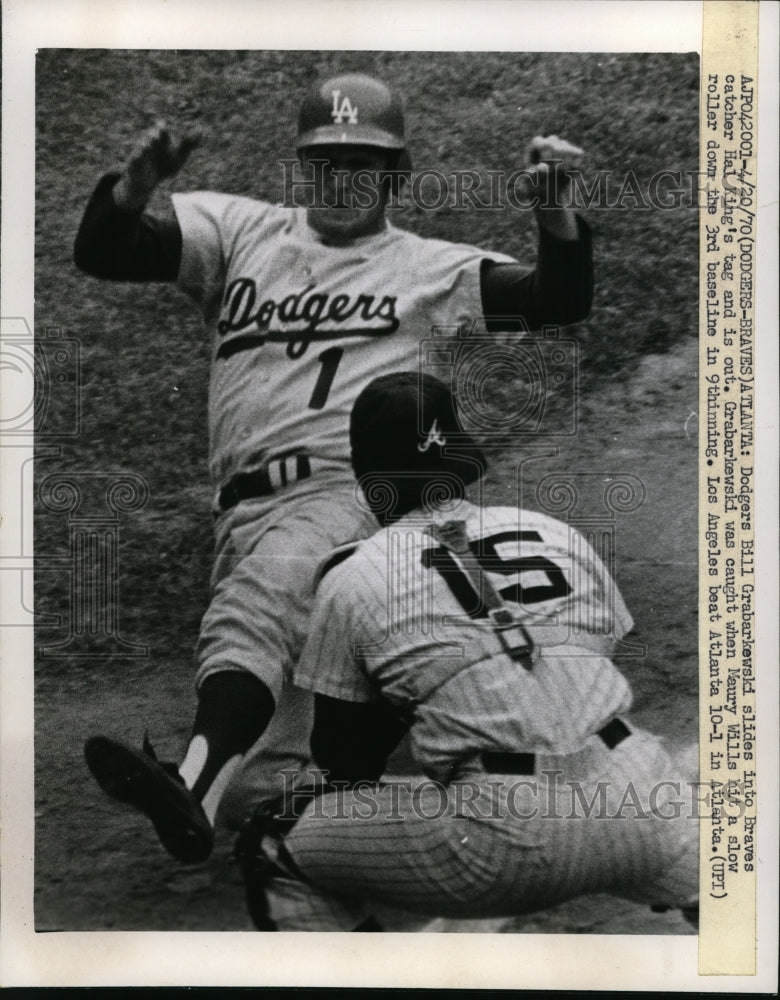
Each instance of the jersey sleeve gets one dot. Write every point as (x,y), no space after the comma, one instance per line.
(126,245)
(330,663)
(448,276)
(559,290)
(214,229)
(202,217)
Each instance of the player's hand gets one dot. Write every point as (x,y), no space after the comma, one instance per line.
(549,162)
(156,157)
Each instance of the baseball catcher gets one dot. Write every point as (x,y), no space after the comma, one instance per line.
(486,633)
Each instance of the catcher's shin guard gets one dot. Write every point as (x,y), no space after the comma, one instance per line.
(257,869)
(278,895)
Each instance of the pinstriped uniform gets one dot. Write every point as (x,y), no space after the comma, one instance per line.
(394,620)
(398,617)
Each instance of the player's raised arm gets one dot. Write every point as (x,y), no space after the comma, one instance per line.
(560,288)
(156,157)
(550,161)
(117,239)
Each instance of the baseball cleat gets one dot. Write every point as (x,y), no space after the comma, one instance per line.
(137,778)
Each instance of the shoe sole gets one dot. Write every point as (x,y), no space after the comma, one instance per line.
(133,778)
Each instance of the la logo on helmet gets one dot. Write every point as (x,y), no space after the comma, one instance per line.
(344,111)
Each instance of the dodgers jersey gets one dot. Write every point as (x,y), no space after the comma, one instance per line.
(399,617)
(299,327)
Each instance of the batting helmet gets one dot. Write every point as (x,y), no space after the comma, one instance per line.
(354,109)
(407,443)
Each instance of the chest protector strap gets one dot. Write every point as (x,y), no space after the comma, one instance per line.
(516,641)
(513,636)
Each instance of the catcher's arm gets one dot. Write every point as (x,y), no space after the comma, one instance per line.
(352,740)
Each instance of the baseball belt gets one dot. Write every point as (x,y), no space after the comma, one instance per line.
(279,472)
(495,762)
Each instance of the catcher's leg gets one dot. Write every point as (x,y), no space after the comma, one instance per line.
(510,846)
(626,830)
(402,845)
(279,897)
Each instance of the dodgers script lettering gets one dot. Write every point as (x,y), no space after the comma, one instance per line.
(301,317)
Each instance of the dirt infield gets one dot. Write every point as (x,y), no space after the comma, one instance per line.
(143,364)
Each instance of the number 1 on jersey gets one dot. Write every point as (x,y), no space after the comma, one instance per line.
(330,362)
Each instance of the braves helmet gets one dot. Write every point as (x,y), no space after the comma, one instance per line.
(355,109)
(408,447)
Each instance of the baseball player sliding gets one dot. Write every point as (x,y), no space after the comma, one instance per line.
(304,306)
(487,633)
